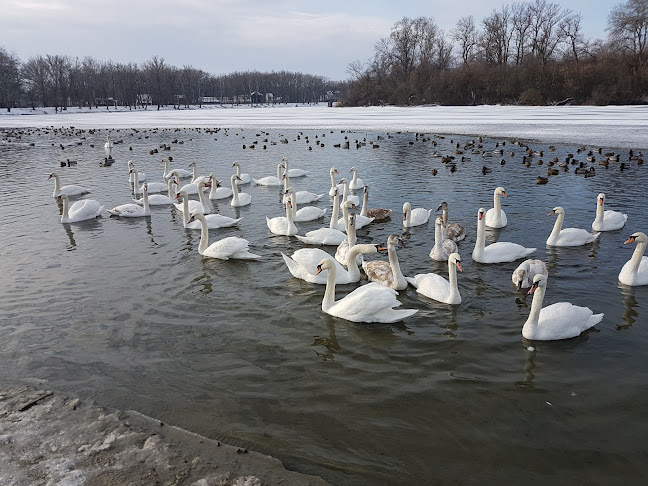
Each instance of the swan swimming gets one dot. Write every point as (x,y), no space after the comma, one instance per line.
(415,217)
(523,275)
(231,247)
(607,220)
(70,190)
(82,210)
(499,252)
(568,236)
(496,217)
(434,286)
(635,270)
(388,273)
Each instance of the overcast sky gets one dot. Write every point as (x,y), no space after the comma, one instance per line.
(221,36)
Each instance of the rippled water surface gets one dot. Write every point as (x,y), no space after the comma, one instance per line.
(127,312)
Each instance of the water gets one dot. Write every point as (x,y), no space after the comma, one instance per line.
(126,312)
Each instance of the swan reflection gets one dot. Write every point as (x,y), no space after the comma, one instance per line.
(629,304)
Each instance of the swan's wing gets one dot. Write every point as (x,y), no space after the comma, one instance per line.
(323,236)
(303,265)
(431,285)
(229,247)
(505,251)
(564,320)
(576,235)
(365,302)
(130,209)
(378,271)
(309,213)
(220,221)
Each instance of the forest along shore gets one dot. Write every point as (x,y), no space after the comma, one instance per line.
(49,438)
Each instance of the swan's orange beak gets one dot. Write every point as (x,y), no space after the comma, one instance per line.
(504,194)
(551,213)
(533,288)
(459,266)
(319,269)
(481,216)
(336,171)
(629,240)
(600,201)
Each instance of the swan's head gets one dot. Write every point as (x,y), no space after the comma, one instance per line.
(500,192)
(601,199)
(130,164)
(333,171)
(344,181)
(638,237)
(236,164)
(195,216)
(53,174)
(455,259)
(407,207)
(62,197)
(325,264)
(193,164)
(353,169)
(145,187)
(480,214)
(202,184)
(443,206)
(395,240)
(556,210)
(366,190)
(290,190)
(539,280)
(349,205)
(336,193)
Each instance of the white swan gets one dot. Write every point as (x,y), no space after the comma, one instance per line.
(303,262)
(499,252)
(132,172)
(454,231)
(302,197)
(238,198)
(334,185)
(218,191)
(434,286)
(342,250)
(80,211)
(293,172)
(524,274)
(283,225)
(181,173)
(201,206)
(132,210)
(308,213)
(195,178)
(224,249)
(356,182)
(607,220)
(160,199)
(192,187)
(271,180)
(347,204)
(378,214)
(187,206)
(345,193)
(387,273)
(242,178)
(496,217)
(635,270)
(561,320)
(568,236)
(137,189)
(368,303)
(415,217)
(213,220)
(70,190)
(108,145)
(443,246)
(329,235)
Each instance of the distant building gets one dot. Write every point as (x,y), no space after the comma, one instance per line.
(208,100)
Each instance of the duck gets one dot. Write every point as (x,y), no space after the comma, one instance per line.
(499,252)
(496,217)
(238,198)
(542,180)
(160,199)
(523,275)
(271,180)
(217,190)
(242,178)
(369,303)
(415,217)
(231,247)
(635,270)
(283,225)
(132,210)
(607,220)
(303,262)
(356,182)
(69,190)
(378,214)
(82,210)
(435,287)
(180,173)
(443,246)
(388,273)
(561,320)
(454,231)
(567,236)
(292,172)
(326,236)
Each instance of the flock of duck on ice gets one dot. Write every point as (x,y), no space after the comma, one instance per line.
(375,301)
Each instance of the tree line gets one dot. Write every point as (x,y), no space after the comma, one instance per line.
(530,53)
(62,81)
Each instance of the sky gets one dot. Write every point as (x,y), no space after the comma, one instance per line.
(223,36)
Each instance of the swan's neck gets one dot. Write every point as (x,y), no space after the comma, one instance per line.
(408,219)
(345,192)
(166,169)
(452,278)
(557,226)
(57,185)
(145,200)
(445,216)
(289,215)
(203,200)
(329,293)
(204,234)
(286,180)
(438,236)
(136,188)
(352,262)
(279,172)
(536,307)
(395,266)
(335,215)
(194,172)
(333,180)
(600,212)
(481,237)
(365,203)
(66,208)
(238,170)
(185,208)
(170,191)
(634,262)
(351,233)
(235,197)
(293,200)
(497,205)
(355,176)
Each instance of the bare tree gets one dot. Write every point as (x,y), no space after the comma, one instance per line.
(467,36)
(628,28)
(9,80)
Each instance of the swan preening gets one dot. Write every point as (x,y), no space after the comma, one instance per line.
(368,303)
(436,287)
(567,236)
(496,217)
(70,190)
(635,270)
(562,320)
(524,274)
(497,252)
(82,210)
(224,249)
(607,220)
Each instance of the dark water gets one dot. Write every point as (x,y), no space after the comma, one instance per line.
(127,312)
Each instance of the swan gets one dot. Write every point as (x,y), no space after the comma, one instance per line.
(301,197)
(160,199)
(80,211)
(224,249)
(607,220)
(368,303)
(132,210)
(523,275)
(326,236)
(434,286)
(70,190)
(283,225)
(343,248)
(356,182)
(242,178)
(334,185)
(454,231)
(499,252)
(308,213)
(195,178)
(292,172)
(345,193)
(347,204)
(218,191)
(415,217)
(271,180)
(387,273)
(561,320)
(141,176)
(157,186)
(192,187)
(181,173)
(108,145)
(443,247)
(302,263)
(635,270)
(568,236)
(213,220)
(190,206)
(378,214)
(496,217)
(238,198)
